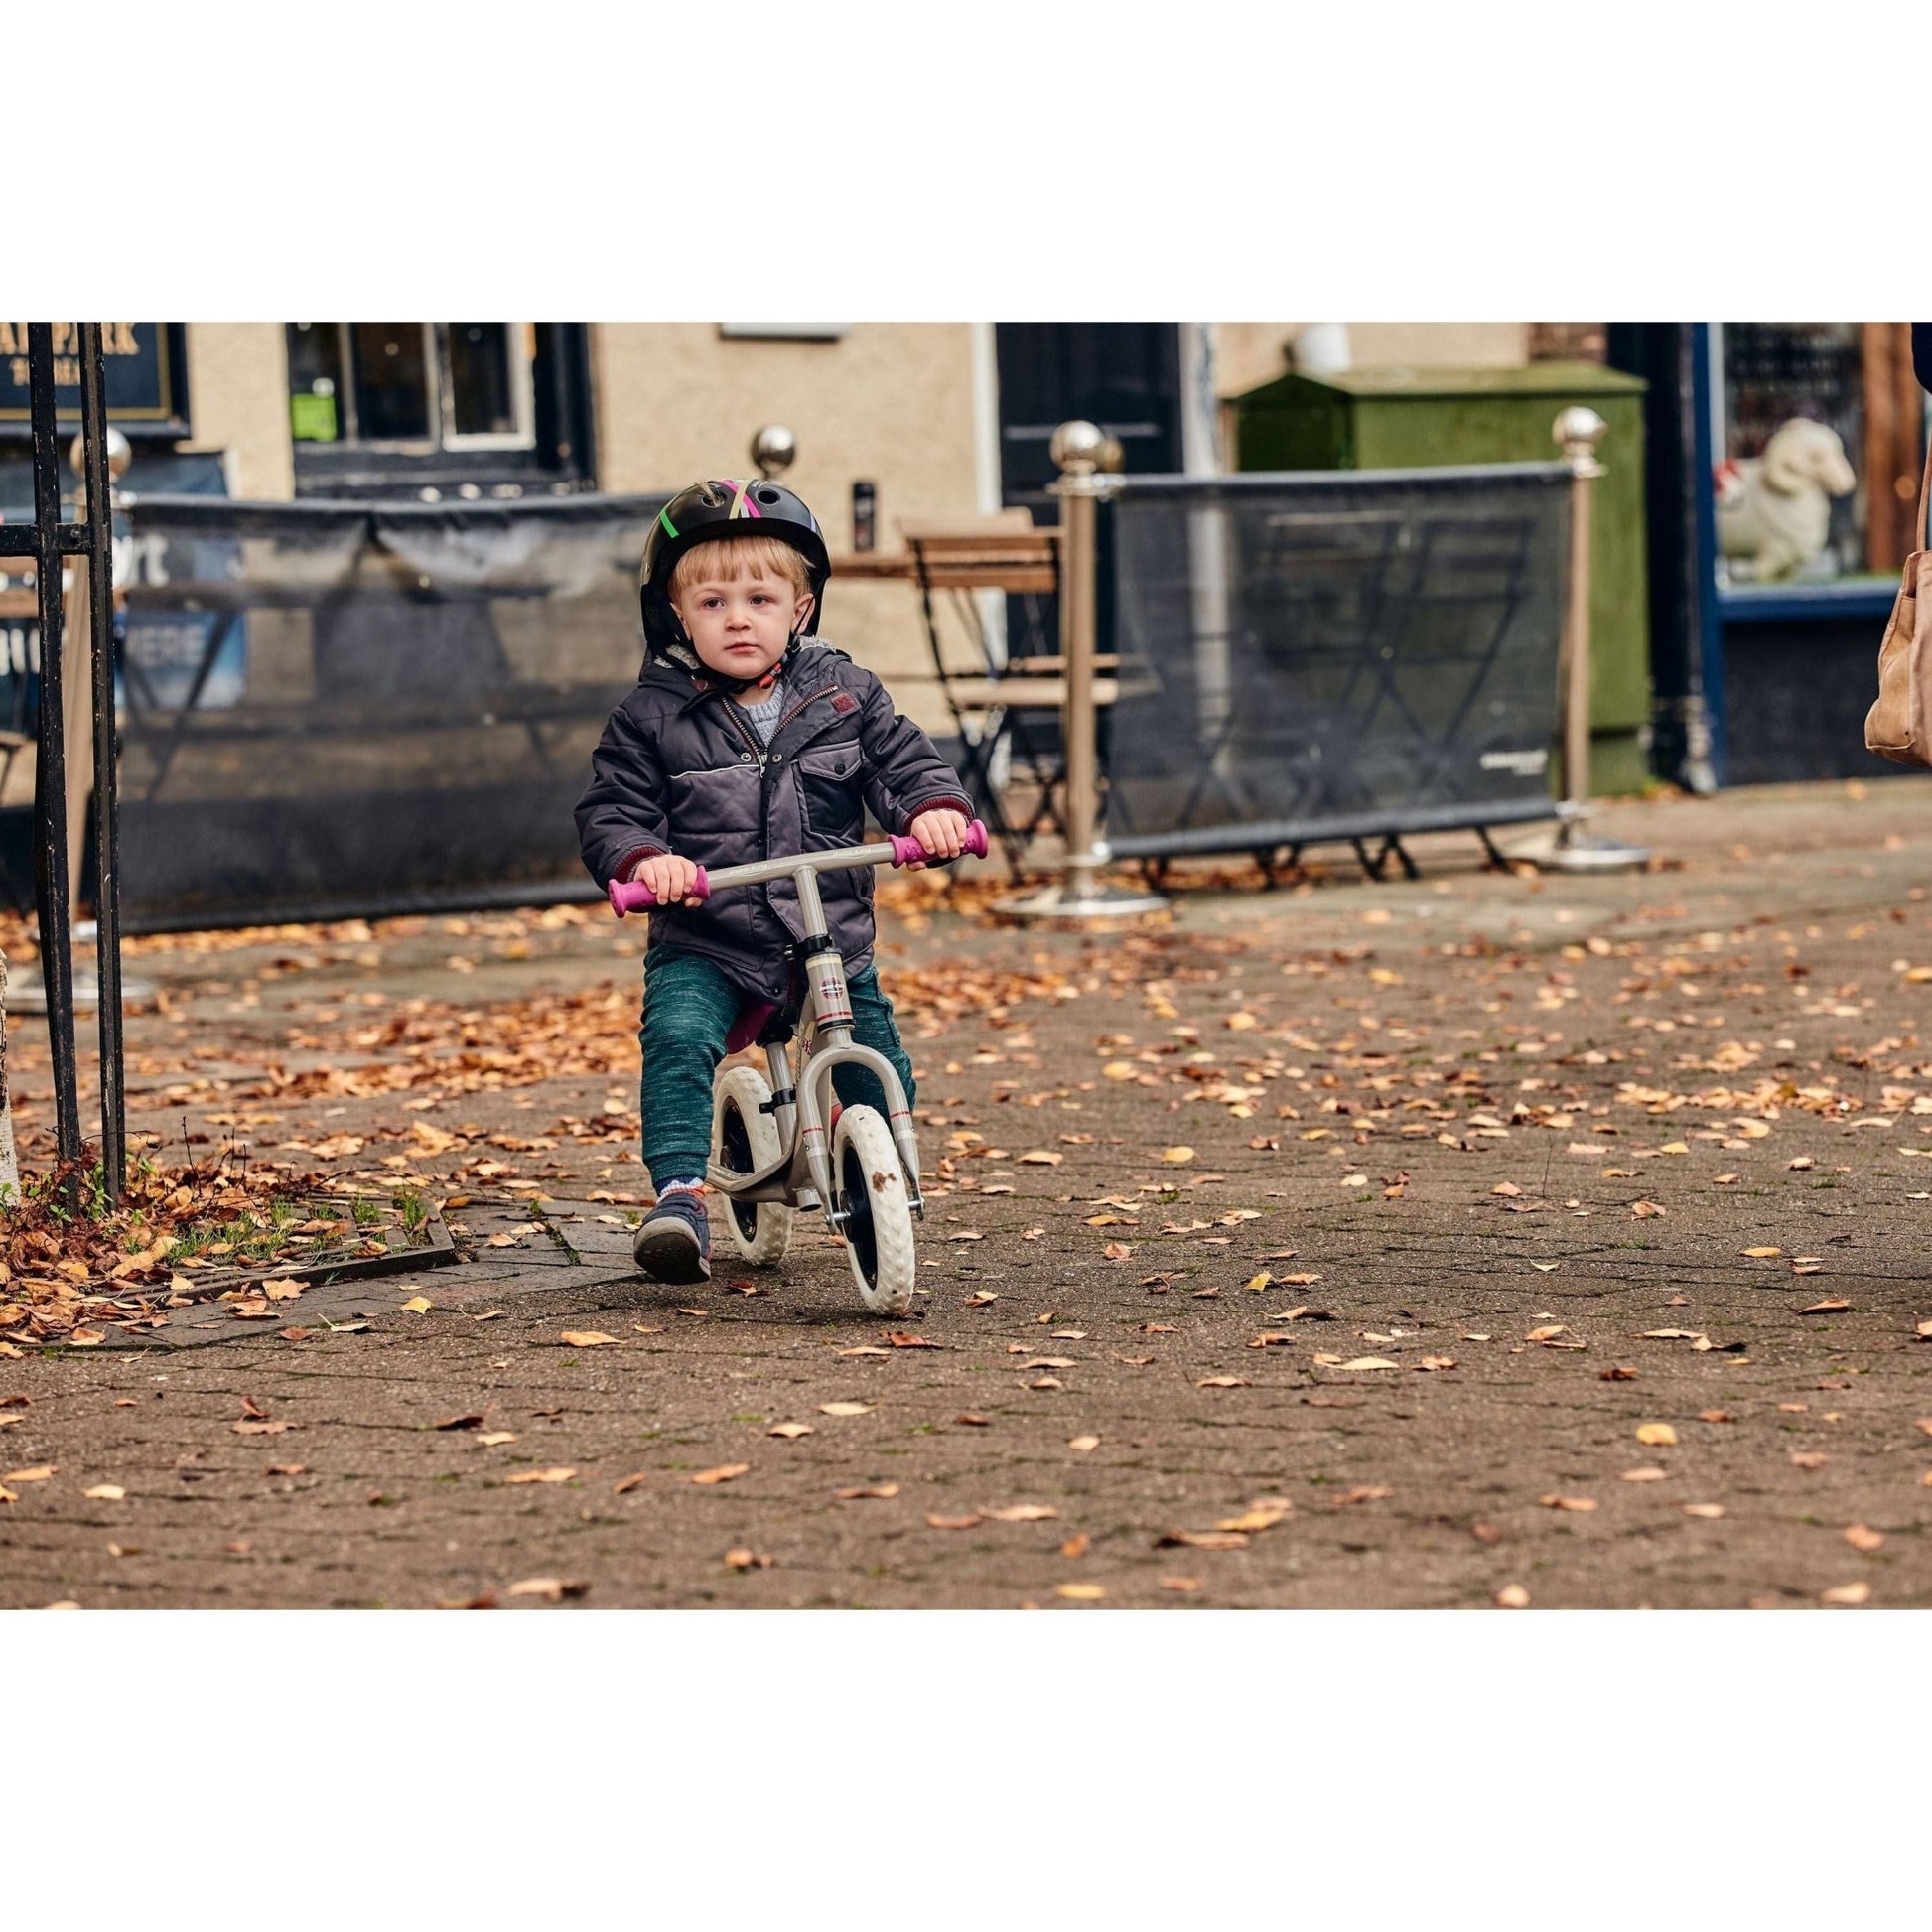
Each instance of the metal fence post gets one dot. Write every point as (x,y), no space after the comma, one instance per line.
(1079,449)
(50,784)
(101,465)
(1578,431)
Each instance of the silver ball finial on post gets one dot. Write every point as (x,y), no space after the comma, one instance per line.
(120,453)
(1076,447)
(1577,432)
(774,449)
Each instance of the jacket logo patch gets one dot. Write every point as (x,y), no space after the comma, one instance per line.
(844,701)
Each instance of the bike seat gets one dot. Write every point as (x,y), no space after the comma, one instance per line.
(750,1022)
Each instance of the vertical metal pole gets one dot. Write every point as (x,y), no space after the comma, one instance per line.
(50,794)
(108,844)
(1578,430)
(1078,448)
(1077,731)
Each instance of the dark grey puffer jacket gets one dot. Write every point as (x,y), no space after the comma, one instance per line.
(679,769)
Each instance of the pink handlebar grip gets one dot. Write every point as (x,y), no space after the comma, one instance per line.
(633,896)
(909,852)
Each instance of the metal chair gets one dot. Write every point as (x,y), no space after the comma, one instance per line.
(991,704)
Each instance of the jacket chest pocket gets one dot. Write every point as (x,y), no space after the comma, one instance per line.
(829,779)
(722,803)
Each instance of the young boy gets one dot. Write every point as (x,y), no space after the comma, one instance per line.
(744,739)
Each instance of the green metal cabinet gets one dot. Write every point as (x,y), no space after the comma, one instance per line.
(1405,419)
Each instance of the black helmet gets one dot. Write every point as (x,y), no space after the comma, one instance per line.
(723,507)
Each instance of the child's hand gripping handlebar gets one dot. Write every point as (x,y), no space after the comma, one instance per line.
(631,896)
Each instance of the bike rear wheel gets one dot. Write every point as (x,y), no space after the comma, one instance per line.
(744,1140)
(877,1228)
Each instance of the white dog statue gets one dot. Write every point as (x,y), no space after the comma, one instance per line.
(1775,510)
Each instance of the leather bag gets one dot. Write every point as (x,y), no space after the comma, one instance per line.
(1899,726)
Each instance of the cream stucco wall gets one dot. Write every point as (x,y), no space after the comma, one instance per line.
(238,401)
(1249,354)
(890,403)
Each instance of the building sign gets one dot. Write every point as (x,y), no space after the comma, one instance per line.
(144,363)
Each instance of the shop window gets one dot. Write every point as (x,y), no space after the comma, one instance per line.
(1818,428)
(429,409)
(408,386)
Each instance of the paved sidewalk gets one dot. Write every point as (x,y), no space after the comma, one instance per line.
(1453,1298)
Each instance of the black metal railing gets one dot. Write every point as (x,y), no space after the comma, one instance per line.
(47,541)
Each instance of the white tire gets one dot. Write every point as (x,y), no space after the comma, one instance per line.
(744,1140)
(871,1187)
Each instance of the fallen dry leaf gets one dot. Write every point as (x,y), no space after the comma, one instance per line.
(1082,1444)
(540,1475)
(789,1431)
(1859,1536)
(747,1560)
(630,1483)
(1080,1592)
(418,1304)
(1512,1596)
(1202,1540)
(725,1472)
(1848,1595)
(496,1438)
(1809,1458)
(1253,1521)
(553,1588)
(1184,1586)
(1826,1307)
(1368,1362)
(846,1408)
(1222,1382)
(1709,1511)
(1021,1513)
(588,1338)
(954,1522)
(1039,1157)
(1657,1435)
(470,1419)
(1647,1475)
(876,1492)
(112,1492)
(1579,1503)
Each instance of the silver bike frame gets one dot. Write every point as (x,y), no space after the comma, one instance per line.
(803,1173)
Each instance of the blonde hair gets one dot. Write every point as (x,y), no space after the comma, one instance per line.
(730,558)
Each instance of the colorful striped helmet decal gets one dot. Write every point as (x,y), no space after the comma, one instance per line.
(742,505)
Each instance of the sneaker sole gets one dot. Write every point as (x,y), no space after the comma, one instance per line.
(671,1254)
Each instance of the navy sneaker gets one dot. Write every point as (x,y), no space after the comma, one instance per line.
(675,1243)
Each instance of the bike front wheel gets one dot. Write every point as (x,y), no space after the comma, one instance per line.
(878,1218)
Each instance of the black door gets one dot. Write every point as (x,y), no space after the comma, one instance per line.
(1123,375)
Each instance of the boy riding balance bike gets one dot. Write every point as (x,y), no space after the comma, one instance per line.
(746,755)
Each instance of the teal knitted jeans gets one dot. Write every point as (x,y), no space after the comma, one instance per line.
(689,1006)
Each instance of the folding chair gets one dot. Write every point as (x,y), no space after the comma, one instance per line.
(989,704)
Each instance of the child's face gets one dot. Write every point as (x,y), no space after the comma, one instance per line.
(739,626)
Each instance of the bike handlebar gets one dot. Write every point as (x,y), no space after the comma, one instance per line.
(631,896)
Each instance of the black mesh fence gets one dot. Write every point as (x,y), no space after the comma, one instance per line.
(355,707)
(1344,654)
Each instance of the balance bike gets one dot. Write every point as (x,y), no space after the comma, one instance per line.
(768,1149)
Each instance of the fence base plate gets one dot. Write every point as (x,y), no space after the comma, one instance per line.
(1095,903)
